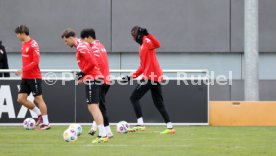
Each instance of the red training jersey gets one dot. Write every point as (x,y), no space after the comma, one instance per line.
(98,50)
(87,62)
(149,65)
(30,60)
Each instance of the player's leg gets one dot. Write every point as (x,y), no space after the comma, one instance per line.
(103,110)
(93,99)
(102,104)
(140,90)
(23,97)
(93,128)
(36,89)
(97,115)
(103,91)
(157,97)
(41,104)
(43,107)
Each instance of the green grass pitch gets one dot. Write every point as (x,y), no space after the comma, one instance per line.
(189,141)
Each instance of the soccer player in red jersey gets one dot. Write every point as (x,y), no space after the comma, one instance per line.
(100,54)
(91,76)
(152,76)
(31,77)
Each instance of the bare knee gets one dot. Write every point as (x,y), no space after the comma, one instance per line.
(93,107)
(21,99)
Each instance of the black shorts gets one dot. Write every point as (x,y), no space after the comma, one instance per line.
(31,86)
(92,90)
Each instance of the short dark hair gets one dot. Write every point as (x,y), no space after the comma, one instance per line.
(68,33)
(135,29)
(22,29)
(89,32)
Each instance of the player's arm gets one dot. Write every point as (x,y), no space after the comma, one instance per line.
(97,53)
(105,62)
(84,52)
(35,60)
(152,43)
(155,43)
(138,72)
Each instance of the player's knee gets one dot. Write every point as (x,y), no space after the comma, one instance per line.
(93,107)
(160,107)
(20,99)
(132,99)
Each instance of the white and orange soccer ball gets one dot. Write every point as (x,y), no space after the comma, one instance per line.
(122,127)
(70,135)
(29,123)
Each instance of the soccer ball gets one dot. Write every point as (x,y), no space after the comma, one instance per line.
(77,128)
(29,123)
(122,127)
(70,135)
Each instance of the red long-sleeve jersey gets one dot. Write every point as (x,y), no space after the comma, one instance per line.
(86,61)
(30,60)
(98,50)
(149,65)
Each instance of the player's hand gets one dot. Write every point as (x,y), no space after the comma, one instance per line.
(144,31)
(18,72)
(79,75)
(125,79)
